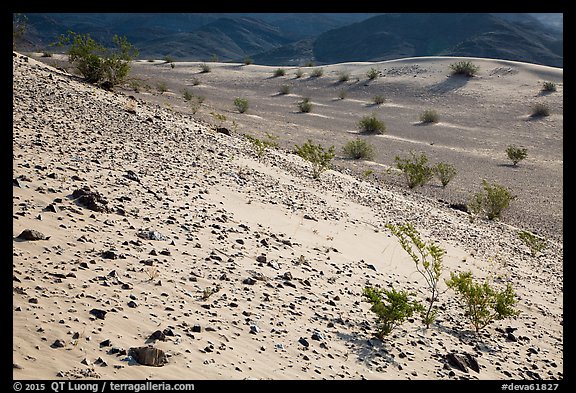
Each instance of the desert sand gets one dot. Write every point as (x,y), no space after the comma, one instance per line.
(252,270)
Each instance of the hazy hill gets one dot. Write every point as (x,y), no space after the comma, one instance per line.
(188,36)
(390,36)
(293,38)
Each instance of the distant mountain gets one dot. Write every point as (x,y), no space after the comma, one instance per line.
(392,36)
(295,38)
(189,36)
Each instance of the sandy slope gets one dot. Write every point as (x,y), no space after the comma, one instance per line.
(308,247)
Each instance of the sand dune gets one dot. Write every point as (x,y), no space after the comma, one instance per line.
(244,269)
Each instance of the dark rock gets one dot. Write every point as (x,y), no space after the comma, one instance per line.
(317,335)
(304,342)
(100,314)
(109,255)
(132,304)
(91,199)
(462,362)
(459,206)
(370,266)
(105,343)
(31,234)
(151,235)
(132,176)
(287,276)
(168,332)
(58,344)
(196,328)
(307,217)
(223,130)
(157,335)
(148,356)
(249,281)
(261,258)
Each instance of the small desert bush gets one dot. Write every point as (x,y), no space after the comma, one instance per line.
(371,125)
(491,202)
(204,68)
(535,243)
(318,157)
(279,72)
(540,110)
(262,145)
(187,95)
(168,59)
(391,307)
(415,169)
(516,154)
(549,86)
(378,100)
(95,62)
(343,76)
(483,303)
(305,105)
(309,63)
(342,94)
(162,87)
(444,172)
(248,61)
(372,73)
(196,102)
(299,73)
(358,149)
(317,72)
(284,89)
(428,260)
(429,116)
(241,104)
(466,68)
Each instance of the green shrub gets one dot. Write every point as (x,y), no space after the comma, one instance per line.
(444,172)
(305,105)
(428,260)
(540,110)
(415,170)
(162,87)
(429,116)
(241,104)
(317,156)
(299,73)
(358,149)
(371,125)
(96,63)
(213,58)
(372,73)
(205,68)
(391,307)
(261,145)
(535,243)
(343,76)
(248,61)
(317,72)
(342,94)
(309,63)
(516,154)
(284,89)
(491,202)
(187,95)
(378,100)
(549,86)
(168,59)
(280,72)
(466,68)
(483,304)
